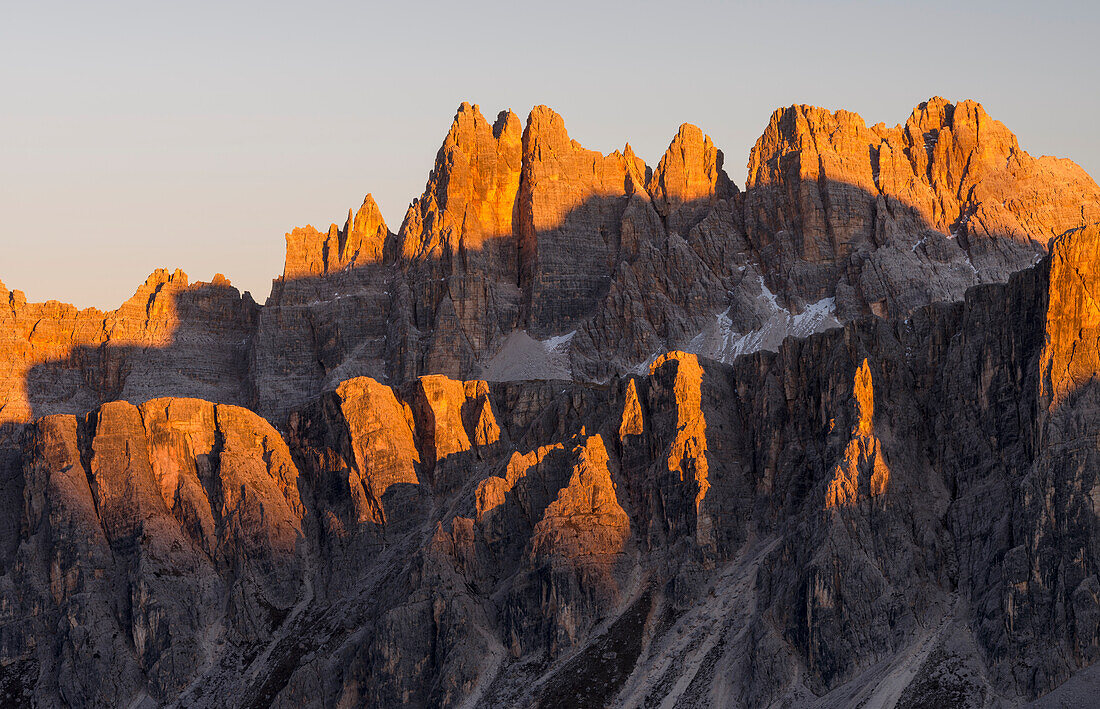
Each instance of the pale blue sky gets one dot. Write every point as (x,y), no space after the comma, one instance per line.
(195,134)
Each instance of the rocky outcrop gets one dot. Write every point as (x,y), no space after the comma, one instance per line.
(888,219)
(154,544)
(688,180)
(171,336)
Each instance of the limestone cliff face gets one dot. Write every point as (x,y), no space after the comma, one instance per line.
(1050,575)
(1070,354)
(470,197)
(832,202)
(332,300)
(171,336)
(571,206)
(152,539)
(672,505)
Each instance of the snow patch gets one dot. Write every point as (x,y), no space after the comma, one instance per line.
(971,265)
(558,343)
(721,342)
(767,294)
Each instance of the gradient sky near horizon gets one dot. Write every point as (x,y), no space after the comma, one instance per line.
(136,135)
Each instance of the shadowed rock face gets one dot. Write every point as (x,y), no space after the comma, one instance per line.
(152,540)
(898,511)
(904,499)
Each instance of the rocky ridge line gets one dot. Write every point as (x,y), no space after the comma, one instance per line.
(529,256)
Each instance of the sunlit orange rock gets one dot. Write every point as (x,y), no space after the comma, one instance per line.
(630,526)
(1071,353)
(170,335)
(471,193)
(383,446)
(632,423)
(586,517)
(687,454)
(187,510)
(437,404)
(862,472)
(951,185)
(492,490)
(688,179)
(363,241)
(952,163)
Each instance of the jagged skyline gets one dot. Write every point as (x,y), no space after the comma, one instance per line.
(197,139)
(582,431)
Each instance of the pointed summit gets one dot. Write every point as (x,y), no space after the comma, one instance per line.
(470,194)
(688,179)
(507,123)
(362,241)
(365,236)
(545,131)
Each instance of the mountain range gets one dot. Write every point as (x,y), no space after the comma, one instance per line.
(586,432)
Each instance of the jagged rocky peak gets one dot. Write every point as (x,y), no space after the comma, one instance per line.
(947,162)
(969,136)
(800,137)
(470,195)
(366,236)
(687,180)
(839,209)
(364,240)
